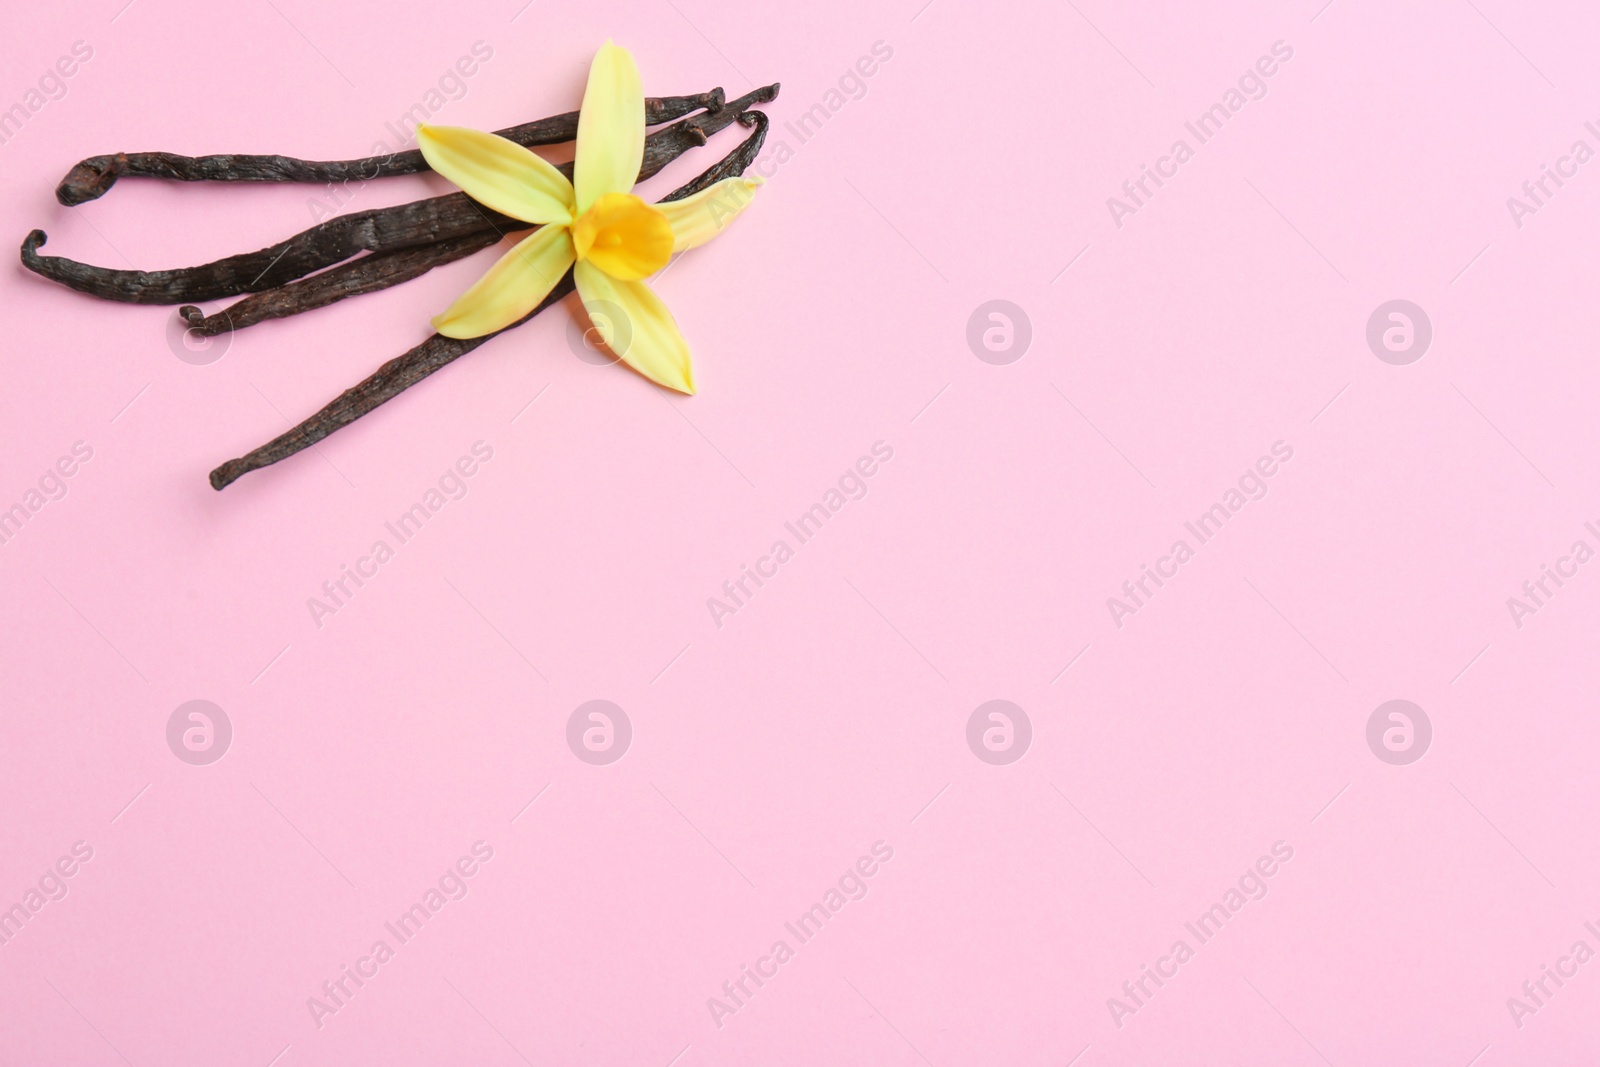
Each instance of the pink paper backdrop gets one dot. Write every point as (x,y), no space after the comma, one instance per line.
(1157,356)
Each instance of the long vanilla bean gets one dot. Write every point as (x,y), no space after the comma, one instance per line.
(404,371)
(375,230)
(93,177)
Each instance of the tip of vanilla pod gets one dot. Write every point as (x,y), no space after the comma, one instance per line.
(31,243)
(90,179)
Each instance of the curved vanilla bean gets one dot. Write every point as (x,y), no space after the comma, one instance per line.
(386,383)
(381,270)
(733,164)
(94,177)
(404,371)
(375,230)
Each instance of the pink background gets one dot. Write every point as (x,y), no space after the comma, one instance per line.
(830,712)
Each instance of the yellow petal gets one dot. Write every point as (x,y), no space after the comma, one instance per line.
(697,219)
(636,326)
(610,127)
(498,173)
(623,236)
(512,287)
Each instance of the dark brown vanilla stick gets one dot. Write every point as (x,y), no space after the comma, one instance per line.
(94,177)
(375,230)
(402,372)
(381,270)
(386,383)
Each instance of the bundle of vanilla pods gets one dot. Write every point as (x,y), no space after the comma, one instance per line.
(363,251)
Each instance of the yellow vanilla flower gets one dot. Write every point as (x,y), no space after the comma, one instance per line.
(611,238)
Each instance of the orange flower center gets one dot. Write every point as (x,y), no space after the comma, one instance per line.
(623,236)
